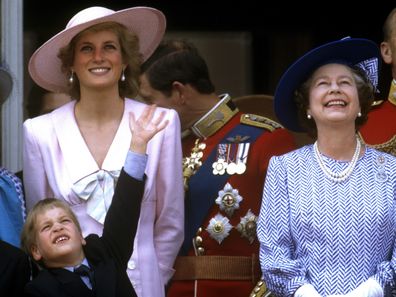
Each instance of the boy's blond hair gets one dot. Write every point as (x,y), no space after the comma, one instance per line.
(29,232)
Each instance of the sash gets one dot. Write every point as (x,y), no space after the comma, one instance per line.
(203,187)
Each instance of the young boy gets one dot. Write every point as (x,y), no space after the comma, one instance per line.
(52,234)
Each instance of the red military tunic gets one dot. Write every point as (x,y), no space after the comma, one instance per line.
(232,268)
(380,129)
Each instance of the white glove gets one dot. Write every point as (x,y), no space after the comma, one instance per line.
(306,290)
(370,288)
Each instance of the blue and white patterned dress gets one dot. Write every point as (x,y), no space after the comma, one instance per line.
(332,235)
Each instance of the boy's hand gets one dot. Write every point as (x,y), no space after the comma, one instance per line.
(145,127)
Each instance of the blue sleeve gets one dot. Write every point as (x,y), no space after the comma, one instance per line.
(282,273)
(11,211)
(135,164)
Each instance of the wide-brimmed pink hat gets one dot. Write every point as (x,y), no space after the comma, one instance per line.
(146,22)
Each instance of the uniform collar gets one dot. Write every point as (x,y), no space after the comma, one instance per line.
(392,92)
(215,118)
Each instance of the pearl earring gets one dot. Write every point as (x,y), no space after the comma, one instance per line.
(71,79)
(309,116)
(122,76)
(359,114)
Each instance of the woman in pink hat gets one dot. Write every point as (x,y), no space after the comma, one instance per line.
(75,153)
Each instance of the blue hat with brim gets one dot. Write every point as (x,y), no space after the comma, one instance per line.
(360,52)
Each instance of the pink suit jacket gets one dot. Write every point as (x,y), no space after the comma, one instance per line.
(55,157)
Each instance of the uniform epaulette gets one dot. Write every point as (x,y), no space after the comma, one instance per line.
(376,103)
(259,121)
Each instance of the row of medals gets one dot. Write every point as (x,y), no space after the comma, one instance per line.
(221,166)
(227,152)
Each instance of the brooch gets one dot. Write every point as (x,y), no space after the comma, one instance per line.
(219,228)
(228,199)
(247,226)
(381,175)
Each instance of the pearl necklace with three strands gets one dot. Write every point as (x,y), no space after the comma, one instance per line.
(338,176)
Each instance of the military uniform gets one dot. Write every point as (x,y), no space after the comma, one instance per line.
(225,161)
(380,129)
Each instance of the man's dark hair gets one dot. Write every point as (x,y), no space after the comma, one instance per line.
(177,60)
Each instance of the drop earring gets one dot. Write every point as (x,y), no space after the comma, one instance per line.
(359,114)
(71,78)
(309,116)
(122,75)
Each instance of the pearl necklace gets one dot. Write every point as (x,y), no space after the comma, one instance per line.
(338,176)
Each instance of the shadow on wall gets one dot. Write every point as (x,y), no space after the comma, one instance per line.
(262,104)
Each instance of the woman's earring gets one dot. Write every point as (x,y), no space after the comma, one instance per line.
(359,114)
(309,116)
(122,75)
(71,78)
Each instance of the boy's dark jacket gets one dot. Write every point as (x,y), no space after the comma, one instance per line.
(107,255)
(14,270)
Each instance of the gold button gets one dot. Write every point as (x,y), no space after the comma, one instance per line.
(198,240)
(200,251)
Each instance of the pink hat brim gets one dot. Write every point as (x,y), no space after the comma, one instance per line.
(45,67)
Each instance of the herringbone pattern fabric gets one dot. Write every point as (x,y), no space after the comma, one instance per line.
(332,235)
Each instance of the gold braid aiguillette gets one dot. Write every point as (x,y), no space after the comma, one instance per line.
(192,163)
